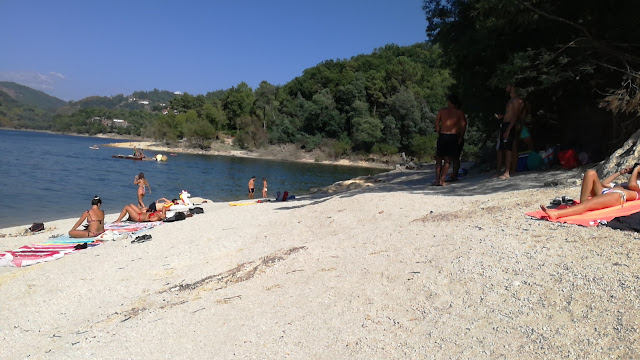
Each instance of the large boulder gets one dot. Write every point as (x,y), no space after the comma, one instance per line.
(626,156)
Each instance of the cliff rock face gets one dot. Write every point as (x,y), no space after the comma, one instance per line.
(626,156)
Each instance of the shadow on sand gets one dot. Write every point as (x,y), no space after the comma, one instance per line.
(419,182)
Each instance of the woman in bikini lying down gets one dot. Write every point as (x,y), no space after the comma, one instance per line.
(140,214)
(596,194)
(95,220)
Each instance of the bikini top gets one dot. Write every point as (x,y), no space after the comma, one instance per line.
(89,220)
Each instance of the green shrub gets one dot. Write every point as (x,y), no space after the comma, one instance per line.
(424,147)
(384,149)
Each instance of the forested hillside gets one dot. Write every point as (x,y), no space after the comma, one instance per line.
(27,96)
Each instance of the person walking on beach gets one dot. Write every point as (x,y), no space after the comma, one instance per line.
(252,186)
(451,125)
(95,221)
(142,185)
(508,132)
(264,187)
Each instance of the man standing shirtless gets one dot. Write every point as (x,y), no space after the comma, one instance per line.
(508,131)
(450,126)
(252,186)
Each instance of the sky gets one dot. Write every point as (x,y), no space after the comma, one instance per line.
(73,49)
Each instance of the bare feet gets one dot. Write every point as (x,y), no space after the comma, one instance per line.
(504,176)
(550,213)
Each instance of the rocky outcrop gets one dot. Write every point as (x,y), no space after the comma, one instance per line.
(626,156)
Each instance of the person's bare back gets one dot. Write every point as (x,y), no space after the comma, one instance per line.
(449,121)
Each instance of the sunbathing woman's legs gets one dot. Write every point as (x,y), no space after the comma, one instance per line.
(135,213)
(595,203)
(591,185)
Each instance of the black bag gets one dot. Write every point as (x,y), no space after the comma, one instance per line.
(36,227)
(197,210)
(176,217)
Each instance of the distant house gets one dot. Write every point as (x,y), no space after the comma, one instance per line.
(177,93)
(165,111)
(120,123)
(143,102)
(96,119)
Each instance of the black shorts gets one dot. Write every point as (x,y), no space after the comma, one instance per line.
(252,190)
(447,145)
(506,144)
(152,207)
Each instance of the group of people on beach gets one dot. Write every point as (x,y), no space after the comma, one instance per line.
(94,217)
(451,125)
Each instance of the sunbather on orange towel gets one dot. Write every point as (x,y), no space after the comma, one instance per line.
(596,194)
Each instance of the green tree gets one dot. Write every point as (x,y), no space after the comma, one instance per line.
(238,102)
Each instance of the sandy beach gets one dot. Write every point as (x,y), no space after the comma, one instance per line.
(376,268)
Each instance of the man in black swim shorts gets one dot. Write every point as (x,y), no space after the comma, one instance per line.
(450,126)
(252,185)
(508,132)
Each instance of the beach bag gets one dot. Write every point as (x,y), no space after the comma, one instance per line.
(177,217)
(197,210)
(278,196)
(285,195)
(36,227)
(568,159)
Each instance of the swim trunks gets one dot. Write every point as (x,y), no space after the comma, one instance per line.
(447,145)
(506,144)
(252,190)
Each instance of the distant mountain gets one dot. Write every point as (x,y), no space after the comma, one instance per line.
(28,96)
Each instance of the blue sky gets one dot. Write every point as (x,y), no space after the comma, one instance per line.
(74,49)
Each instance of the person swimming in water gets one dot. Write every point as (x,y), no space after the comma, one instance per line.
(142,185)
(94,218)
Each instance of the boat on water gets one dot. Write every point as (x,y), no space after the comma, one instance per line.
(131,157)
(94,147)
(158,157)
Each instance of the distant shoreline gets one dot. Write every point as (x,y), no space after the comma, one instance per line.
(150,144)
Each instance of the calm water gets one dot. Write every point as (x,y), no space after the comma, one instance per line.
(46,177)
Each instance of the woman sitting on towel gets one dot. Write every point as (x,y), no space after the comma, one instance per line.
(95,221)
(596,194)
(139,214)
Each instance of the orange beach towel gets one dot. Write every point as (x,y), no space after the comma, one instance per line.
(592,218)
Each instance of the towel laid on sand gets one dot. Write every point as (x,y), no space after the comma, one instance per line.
(593,218)
(55,248)
(34,254)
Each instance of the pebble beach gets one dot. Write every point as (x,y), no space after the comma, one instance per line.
(374,268)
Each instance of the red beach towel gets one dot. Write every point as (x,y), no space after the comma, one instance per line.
(592,218)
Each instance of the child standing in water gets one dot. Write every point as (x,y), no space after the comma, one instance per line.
(142,184)
(264,187)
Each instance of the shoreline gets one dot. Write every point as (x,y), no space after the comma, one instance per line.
(152,145)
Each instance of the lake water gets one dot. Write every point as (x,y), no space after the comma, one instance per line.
(47,176)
